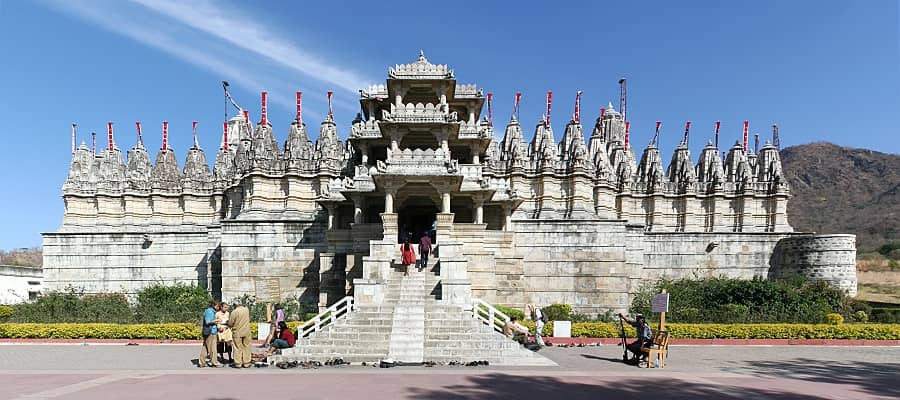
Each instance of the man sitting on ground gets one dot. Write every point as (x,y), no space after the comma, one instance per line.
(644,335)
(516,332)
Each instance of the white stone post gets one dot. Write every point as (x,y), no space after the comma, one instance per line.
(479,212)
(445,202)
(388,202)
(357,209)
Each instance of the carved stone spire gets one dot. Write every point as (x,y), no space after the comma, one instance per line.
(737,169)
(543,147)
(265,148)
(79,178)
(299,154)
(681,169)
(650,170)
(165,175)
(769,165)
(573,148)
(623,165)
(329,150)
(513,149)
(110,172)
(243,159)
(137,172)
(196,170)
(709,166)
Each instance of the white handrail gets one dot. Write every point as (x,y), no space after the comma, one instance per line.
(327,317)
(489,315)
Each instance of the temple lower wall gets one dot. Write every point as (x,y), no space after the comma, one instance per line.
(272,260)
(831,258)
(98,262)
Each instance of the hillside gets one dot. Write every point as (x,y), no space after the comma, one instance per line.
(844,190)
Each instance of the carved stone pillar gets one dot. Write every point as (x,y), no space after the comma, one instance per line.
(478,202)
(507,217)
(445,202)
(357,209)
(389,202)
(331,209)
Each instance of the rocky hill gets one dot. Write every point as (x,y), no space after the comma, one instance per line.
(844,190)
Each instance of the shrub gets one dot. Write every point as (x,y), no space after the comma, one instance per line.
(727,300)
(180,302)
(834,319)
(885,315)
(71,306)
(558,312)
(5,312)
(512,312)
(860,316)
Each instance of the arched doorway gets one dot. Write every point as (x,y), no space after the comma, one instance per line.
(417,211)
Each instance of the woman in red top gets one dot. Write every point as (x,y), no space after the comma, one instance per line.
(285,338)
(407,256)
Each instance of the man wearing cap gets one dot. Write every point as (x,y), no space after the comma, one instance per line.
(644,334)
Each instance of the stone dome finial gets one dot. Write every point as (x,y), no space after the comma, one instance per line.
(422,58)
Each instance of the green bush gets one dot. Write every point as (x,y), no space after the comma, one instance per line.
(861,316)
(727,300)
(511,312)
(558,312)
(180,302)
(71,306)
(885,315)
(834,319)
(5,312)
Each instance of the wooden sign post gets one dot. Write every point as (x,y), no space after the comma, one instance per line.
(660,304)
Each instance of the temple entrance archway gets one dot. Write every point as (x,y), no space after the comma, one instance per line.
(419,204)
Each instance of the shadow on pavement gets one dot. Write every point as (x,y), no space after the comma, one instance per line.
(878,379)
(501,386)
(614,360)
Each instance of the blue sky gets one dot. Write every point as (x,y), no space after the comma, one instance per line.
(822,70)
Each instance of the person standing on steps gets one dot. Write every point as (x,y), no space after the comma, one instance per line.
(424,251)
(210,333)
(239,321)
(407,256)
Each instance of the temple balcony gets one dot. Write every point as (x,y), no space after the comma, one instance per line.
(376,92)
(418,162)
(419,113)
(469,91)
(474,130)
(365,129)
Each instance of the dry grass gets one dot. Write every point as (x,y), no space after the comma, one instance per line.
(880,286)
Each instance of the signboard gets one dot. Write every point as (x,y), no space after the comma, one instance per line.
(267,289)
(562,328)
(262,332)
(660,303)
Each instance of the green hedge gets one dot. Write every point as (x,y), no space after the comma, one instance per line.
(739,331)
(590,330)
(174,331)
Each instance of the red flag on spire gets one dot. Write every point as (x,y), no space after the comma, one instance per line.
(264,119)
(627,129)
(549,102)
(225,135)
(194,128)
(490,99)
(516,105)
(687,129)
(656,135)
(247,118)
(746,133)
(577,116)
(109,133)
(299,107)
(140,135)
(165,141)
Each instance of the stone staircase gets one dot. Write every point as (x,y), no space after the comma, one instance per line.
(410,325)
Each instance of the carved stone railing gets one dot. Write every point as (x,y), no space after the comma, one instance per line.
(467,91)
(471,171)
(421,69)
(374,92)
(418,162)
(419,113)
(365,129)
(469,131)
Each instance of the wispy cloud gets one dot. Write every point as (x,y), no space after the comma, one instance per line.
(235,49)
(239,30)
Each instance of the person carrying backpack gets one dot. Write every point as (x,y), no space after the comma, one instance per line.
(539,319)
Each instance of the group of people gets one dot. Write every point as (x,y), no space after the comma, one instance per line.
(516,331)
(231,330)
(408,253)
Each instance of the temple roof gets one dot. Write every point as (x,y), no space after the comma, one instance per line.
(420,69)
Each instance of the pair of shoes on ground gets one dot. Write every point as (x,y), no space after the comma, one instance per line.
(477,363)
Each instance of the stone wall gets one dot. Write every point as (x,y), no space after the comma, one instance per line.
(17,283)
(831,258)
(124,261)
(272,260)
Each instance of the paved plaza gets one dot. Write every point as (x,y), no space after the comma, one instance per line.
(740,372)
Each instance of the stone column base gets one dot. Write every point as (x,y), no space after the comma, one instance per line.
(368,292)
